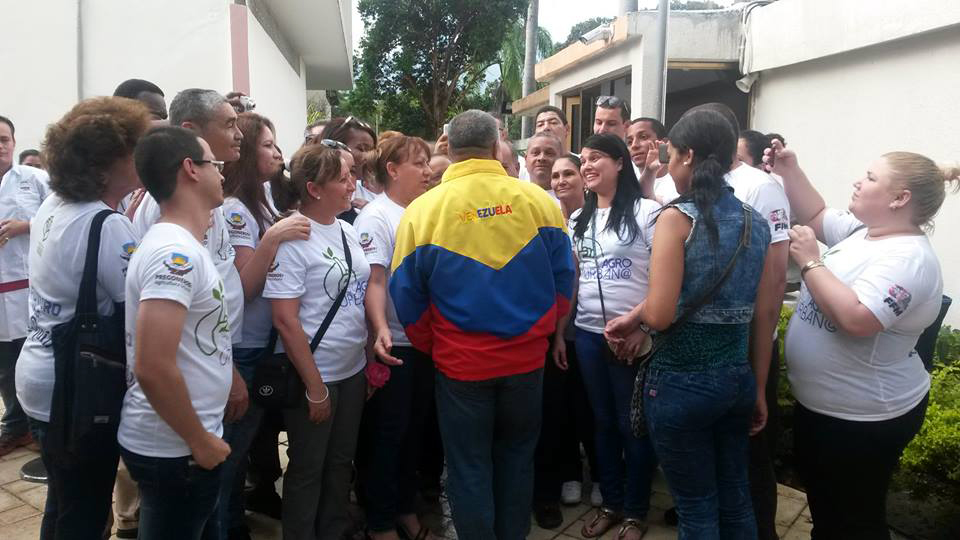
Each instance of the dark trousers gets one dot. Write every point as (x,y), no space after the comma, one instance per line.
(625,463)
(567,422)
(177,497)
(431,452)
(490,430)
(239,435)
(14,421)
(393,431)
(846,467)
(78,496)
(699,422)
(763,450)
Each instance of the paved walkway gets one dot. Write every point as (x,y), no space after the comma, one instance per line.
(21,504)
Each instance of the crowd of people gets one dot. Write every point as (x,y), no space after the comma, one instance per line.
(402,309)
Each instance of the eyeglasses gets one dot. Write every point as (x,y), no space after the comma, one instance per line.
(336,145)
(217,164)
(613,102)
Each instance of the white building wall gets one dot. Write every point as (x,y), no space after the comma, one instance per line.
(279,91)
(175,44)
(842,112)
(39,62)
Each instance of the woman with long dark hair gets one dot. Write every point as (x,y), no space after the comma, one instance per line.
(612,235)
(256,231)
(700,392)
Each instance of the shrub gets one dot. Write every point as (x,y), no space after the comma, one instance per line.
(930,465)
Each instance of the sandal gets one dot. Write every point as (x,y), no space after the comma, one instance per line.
(603,520)
(632,523)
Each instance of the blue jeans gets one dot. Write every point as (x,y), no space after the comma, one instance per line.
(177,497)
(626,463)
(699,422)
(78,496)
(14,421)
(490,430)
(239,435)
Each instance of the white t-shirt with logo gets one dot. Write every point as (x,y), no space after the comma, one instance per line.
(244,232)
(171,265)
(217,242)
(665,188)
(314,271)
(624,269)
(866,378)
(58,249)
(377,226)
(765,195)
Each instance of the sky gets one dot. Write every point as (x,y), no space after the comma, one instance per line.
(557,16)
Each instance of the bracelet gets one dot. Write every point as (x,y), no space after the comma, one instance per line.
(816,263)
(306,394)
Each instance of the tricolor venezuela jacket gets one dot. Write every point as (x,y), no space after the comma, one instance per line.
(481,272)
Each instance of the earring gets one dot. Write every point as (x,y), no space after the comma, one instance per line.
(317,197)
(686,163)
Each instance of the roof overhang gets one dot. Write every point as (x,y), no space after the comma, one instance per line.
(320,31)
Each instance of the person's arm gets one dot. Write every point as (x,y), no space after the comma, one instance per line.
(559,339)
(296,343)
(766,314)
(252,264)
(159,325)
(651,169)
(838,301)
(666,270)
(375,304)
(806,204)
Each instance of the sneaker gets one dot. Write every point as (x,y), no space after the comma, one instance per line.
(548,515)
(596,499)
(571,493)
(9,443)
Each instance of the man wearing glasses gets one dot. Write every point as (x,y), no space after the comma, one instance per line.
(612,116)
(178,344)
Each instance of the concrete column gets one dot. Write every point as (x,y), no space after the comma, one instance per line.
(626,6)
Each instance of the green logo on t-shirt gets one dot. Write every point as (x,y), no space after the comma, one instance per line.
(215,322)
(338,272)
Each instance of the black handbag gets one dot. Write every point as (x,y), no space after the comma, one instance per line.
(638,419)
(276,383)
(90,369)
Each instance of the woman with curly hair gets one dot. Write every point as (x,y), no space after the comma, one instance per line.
(90,160)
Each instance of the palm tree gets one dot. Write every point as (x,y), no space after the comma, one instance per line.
(511,61)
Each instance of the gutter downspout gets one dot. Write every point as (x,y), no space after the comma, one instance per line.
(659,68)
(79,50)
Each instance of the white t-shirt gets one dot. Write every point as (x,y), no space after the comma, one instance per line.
(363,193)
(171,265)
(866,378)
(765,195)
(22,190)
(314,271)
(624,269)
(377,226)
(665,188)
(217,242)
(244,232)
(58,249)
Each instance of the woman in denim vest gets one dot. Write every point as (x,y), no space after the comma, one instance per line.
(700,392)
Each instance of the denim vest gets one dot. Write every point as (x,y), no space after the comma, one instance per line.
(717,333)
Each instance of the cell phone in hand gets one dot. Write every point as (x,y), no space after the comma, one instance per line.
(446,129)
(663,155)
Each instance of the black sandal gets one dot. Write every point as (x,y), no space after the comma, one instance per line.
(632,523)
(601,514)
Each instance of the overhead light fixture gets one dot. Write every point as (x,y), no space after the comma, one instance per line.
(746,82)
(603,32)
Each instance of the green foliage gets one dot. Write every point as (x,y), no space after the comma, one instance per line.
(930,465)
(511,56)
(433,51)
(582,28)
(947,349)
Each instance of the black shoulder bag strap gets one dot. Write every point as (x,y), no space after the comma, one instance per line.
(87,298)
(340,296)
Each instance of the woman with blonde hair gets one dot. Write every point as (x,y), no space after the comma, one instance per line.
(861,388)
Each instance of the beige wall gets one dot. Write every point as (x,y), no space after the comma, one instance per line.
(842,112)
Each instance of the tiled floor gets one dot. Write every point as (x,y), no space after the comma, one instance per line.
(21,503)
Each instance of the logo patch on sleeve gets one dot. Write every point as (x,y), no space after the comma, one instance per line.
(779,219)
(236,221)
(179,264)
(898,299)
(128,250)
